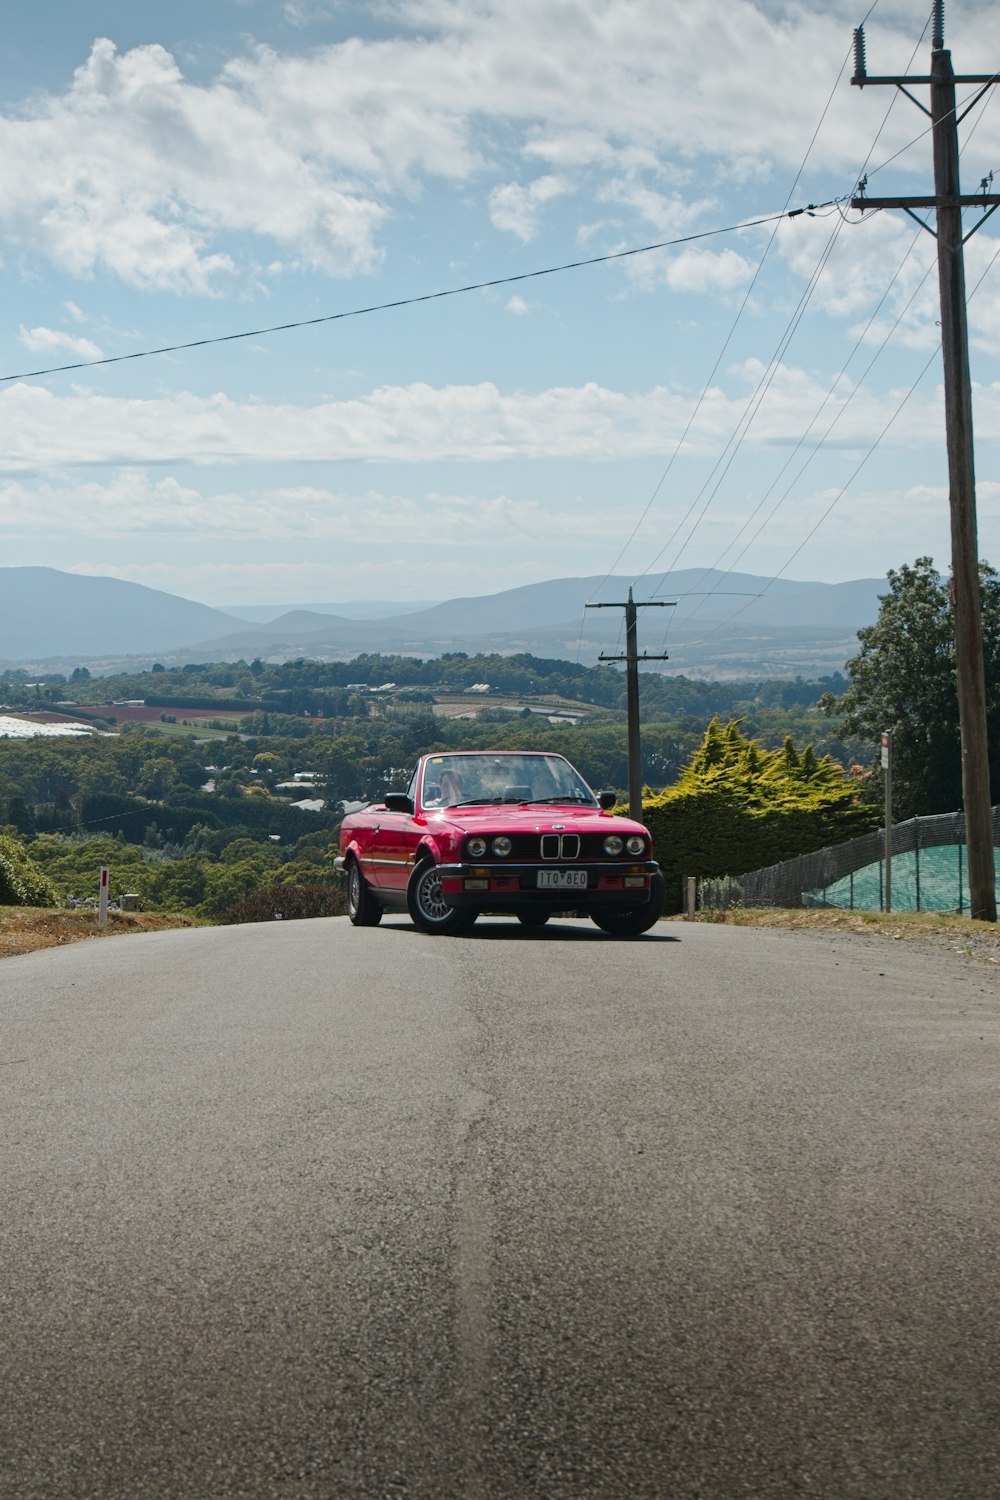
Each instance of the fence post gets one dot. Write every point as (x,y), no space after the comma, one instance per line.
(916,859)
(690,897)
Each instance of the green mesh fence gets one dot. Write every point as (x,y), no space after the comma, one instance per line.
(922,880)
(929,872)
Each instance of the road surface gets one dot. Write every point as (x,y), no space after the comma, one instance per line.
(300,1210)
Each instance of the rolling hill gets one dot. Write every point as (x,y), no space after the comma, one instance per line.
(723,624)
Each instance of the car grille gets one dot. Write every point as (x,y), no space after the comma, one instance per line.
(560,846)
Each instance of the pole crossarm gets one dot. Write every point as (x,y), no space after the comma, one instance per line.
(988,202)
(864,79)
(960,200)
(646,656)
(637,604)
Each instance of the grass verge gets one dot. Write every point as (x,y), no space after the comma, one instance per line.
(960,934)
(25,928)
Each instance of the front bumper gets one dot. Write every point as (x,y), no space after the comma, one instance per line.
(506,887)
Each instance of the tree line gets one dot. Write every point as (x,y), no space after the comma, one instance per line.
(204,824)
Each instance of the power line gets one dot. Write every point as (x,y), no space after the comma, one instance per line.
(862,336)
(847,484)
(737,437)
(455,291)
(860,340)
(783,343)
(732,330)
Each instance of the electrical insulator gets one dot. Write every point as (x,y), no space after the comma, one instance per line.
(937,40)
(860,64)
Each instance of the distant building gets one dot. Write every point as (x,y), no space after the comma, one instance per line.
(477,687)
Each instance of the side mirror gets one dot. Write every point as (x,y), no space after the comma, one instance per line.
(607,800)
(398,802)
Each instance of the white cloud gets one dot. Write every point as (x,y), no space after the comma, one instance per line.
(517,306)
(516,209)
(137,171)
(53,340)
(700,271)
(134,503)
(480,423)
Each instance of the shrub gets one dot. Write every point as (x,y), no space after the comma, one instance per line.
(738,807)
(290,902)
(21,881)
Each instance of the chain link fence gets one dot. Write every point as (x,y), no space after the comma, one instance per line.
(929,872)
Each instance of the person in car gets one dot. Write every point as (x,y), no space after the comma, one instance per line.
(451,789)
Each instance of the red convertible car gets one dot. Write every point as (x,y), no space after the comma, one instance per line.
(499,831)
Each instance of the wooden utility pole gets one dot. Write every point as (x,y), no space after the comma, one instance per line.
(948,201)
(631,660)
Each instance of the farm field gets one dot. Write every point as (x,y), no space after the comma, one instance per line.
(146,713)
(181,721)
(470,706)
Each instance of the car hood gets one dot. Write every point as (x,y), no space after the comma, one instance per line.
(509,818)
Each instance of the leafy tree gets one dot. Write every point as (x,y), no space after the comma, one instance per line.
(22,883)
(903,679)
(157,776)
(19,815)
(225,884)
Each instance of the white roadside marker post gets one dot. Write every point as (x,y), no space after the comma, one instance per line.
(102,905)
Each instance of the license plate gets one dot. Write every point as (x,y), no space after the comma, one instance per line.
(562,880)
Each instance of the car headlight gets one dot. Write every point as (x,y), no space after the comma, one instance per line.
(476,848)
(636,844)
(502,845)
(613,844)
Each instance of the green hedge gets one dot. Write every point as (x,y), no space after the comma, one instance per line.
(738,807)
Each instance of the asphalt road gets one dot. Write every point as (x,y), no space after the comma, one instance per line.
(300,1210)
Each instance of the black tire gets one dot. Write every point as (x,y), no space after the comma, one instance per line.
(362,908)
(533,917)
(630,921)
(427,907)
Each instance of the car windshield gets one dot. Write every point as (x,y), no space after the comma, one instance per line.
(469,780)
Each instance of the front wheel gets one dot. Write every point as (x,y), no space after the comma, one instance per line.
(362,908)
(630,921)
(426,904)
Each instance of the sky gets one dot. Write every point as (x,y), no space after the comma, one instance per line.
(766,399)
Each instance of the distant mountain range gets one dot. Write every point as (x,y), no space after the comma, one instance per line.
(355,609)
(723,624)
